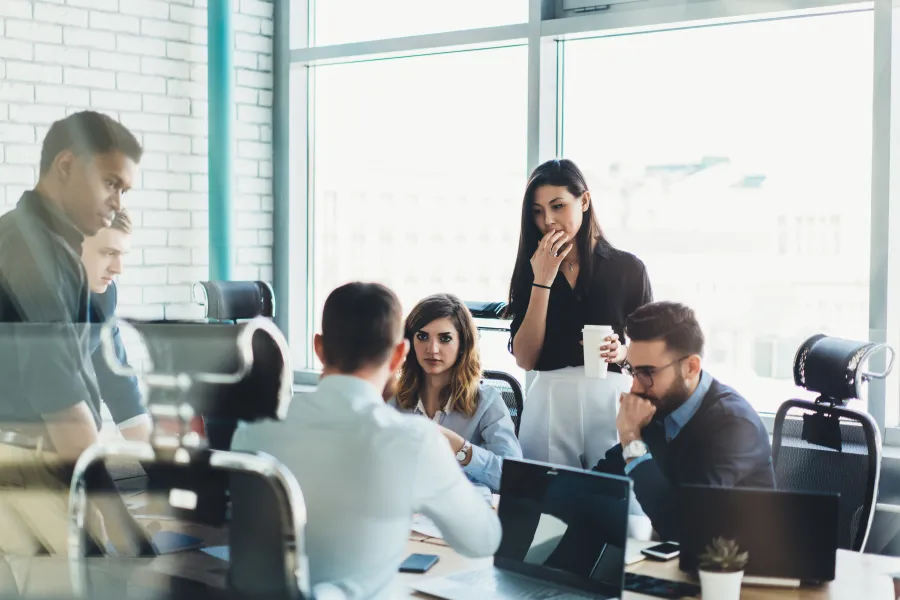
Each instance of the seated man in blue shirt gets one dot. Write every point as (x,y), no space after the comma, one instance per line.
(679,425)
(102,256)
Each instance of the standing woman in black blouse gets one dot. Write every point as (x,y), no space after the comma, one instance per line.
(568,275)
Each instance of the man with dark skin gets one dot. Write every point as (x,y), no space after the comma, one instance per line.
(50,403)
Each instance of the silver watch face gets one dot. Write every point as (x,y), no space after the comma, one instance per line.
(461,455)
(634,449)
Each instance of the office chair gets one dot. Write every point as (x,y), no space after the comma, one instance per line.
(825,446)
(231,301)
(235,300)
(239,371)
(510,390)
(506,384)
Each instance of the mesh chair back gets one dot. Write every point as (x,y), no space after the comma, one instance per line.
(510,390)
(852,471)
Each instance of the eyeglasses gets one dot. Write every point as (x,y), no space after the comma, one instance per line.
(645,374)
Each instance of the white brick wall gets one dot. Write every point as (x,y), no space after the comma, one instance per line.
(144,62)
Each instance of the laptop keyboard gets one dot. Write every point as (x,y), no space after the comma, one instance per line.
(509,585)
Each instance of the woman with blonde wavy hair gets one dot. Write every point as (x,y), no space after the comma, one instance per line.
(441,379)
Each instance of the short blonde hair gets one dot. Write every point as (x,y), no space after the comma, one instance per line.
(122,221)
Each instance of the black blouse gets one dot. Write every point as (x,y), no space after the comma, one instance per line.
(618,286)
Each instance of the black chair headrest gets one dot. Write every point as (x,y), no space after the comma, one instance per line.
(834,367)
(486,310)
(240,371)
(235,300)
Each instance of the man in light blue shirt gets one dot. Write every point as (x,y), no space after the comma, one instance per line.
(364,468)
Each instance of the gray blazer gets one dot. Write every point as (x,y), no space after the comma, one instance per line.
(490,431)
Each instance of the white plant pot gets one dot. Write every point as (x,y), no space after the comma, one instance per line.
(720,586)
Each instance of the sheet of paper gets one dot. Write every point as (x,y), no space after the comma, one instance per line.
(425,526)
(633,549)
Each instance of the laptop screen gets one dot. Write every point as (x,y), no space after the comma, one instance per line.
(790,535)
(564,525)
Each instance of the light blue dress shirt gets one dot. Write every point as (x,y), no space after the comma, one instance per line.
(675,422)
(490,431)
(365,470)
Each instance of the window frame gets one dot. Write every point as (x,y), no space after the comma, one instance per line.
(294,113)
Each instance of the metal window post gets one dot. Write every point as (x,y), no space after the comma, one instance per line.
(221,140)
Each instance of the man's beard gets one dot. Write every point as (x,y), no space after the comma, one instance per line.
(670,400)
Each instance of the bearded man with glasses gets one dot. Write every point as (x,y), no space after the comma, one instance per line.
(679,425)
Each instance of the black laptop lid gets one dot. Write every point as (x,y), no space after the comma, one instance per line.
(791,535)
(564,525)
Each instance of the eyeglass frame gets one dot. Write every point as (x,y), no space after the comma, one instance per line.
(645,374)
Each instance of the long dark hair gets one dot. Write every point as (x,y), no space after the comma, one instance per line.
(559,172)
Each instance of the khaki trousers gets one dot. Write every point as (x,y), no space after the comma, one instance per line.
(34,504)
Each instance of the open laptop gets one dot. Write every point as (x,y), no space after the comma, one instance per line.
(791,537)
(564,533)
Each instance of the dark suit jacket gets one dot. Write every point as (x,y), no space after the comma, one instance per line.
(725,444)
(121,394)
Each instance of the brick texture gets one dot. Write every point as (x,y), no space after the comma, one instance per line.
(144,63)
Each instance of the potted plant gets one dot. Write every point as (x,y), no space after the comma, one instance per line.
(721,570)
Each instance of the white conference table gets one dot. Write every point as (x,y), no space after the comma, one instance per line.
(858,576)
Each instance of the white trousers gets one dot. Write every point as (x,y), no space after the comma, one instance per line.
(570,419)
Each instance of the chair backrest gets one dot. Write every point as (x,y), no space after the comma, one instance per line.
(487,310)
(268,514)
(512,393)
(235,300)
(824,446)
(853,471)
(239,371)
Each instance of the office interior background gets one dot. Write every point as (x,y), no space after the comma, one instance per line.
(746,150)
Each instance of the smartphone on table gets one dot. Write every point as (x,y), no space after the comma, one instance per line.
(664,551)
(418,563)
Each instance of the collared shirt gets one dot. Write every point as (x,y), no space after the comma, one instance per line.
(678,418)
(121,394)
(45,361)
(618,285)
(438,415)
(365,470)
(490,431)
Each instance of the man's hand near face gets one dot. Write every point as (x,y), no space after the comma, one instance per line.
(635,413)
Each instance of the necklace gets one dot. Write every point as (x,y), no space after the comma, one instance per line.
(571,265)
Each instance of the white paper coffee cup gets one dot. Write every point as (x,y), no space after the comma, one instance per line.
(595,336)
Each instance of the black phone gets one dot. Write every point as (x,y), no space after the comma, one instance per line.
(661,588)
(418,563)
(664,551)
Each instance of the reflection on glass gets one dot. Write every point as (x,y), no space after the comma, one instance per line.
(739,172)
(566,522)
(344,21)
(419,169)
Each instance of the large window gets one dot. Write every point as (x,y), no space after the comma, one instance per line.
(741,149)
(736,162)
(419,164)
(343,21)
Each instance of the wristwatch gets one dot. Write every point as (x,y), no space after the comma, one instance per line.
(634,449)
(463,452)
